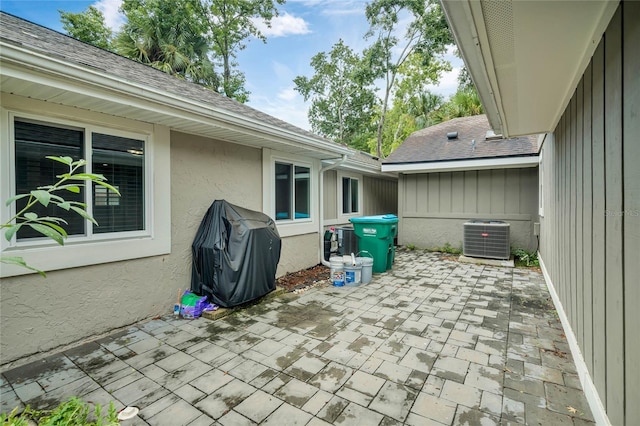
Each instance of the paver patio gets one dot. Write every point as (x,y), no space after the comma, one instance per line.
(431,342)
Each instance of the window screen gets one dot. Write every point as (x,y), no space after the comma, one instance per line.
(35,141)
(349,195)
(121,161)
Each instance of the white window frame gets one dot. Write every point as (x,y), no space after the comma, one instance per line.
(88,249)
(289,227)
(344,217)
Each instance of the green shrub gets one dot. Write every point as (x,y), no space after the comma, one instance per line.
(450,250)
(525,258)
(73,412)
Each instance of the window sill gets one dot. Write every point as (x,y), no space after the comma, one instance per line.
(51,258)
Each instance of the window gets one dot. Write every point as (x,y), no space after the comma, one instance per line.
(292,191)
(350,200)
(120,159)
(135,158)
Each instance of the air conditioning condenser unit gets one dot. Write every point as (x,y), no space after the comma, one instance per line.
(486,238)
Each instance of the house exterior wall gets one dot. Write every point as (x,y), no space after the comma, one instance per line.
(71,304)
(590,229)
(330,195)
(434,206)
(380,196)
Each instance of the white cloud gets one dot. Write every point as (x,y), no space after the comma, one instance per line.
(287,94)
(448,83)
(283,25)
(112,16)
(293,111)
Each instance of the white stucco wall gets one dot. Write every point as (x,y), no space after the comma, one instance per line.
(70,305)
(298,252)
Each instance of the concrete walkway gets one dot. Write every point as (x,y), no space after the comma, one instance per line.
(432,342)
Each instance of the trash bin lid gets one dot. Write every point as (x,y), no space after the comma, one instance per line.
(383,218)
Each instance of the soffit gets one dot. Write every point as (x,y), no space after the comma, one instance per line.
(526,57)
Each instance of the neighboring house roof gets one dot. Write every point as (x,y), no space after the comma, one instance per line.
(43,64)
(364,163)
(432,149)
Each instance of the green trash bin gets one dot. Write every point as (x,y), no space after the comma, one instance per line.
(375,235)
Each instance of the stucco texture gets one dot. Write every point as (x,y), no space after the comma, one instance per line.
(70,305)
(434,206)
(437,232)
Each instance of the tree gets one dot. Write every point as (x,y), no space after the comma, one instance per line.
(427,33)
(88,26)
(231,24)
(169,35)
(464,103)
(342,95)
(51,226)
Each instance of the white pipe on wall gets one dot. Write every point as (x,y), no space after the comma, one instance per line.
(321,192)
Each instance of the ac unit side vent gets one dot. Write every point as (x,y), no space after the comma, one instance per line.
(489,239)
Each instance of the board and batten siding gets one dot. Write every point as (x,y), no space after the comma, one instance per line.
(434,206)
(380,195)
(590,241)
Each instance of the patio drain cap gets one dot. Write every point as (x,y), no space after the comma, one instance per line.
(128,413)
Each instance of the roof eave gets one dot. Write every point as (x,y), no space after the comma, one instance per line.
(463,165)
(460,15)
(526,50)
(21,60)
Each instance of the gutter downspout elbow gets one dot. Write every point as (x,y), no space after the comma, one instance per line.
(338,163)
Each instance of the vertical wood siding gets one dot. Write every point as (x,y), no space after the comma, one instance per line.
(631,197)
(380,196)
(437,204)
(591,236)
(330,189)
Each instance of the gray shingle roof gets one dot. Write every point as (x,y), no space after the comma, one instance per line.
(19,32)
(432,145)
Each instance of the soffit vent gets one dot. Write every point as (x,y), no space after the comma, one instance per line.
(498,17)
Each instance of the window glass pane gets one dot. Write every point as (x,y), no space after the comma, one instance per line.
(283,191)
(121,161)
(354,196)
(345,195)
(302,195)
(33,142)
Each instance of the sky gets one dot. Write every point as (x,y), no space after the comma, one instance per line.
(302,29)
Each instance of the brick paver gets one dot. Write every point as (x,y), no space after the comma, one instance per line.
(430,342)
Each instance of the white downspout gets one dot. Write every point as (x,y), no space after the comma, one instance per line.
(321,221)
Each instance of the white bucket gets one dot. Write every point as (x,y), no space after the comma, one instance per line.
(337,271)
(367,267)
(353,274)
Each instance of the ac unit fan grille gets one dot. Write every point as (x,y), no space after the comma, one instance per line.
(486,239)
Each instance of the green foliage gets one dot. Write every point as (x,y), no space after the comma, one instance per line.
(50,226)
(525,258)
(342,95)
(447,249)
(169,35)
(73,412)
(464,103)
(184,38)
(427,34)
(410,247)
(231,23)
(88,26)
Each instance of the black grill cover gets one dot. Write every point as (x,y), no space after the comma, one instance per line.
(235,255)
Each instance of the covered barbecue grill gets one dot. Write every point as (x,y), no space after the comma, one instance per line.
(235,255)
